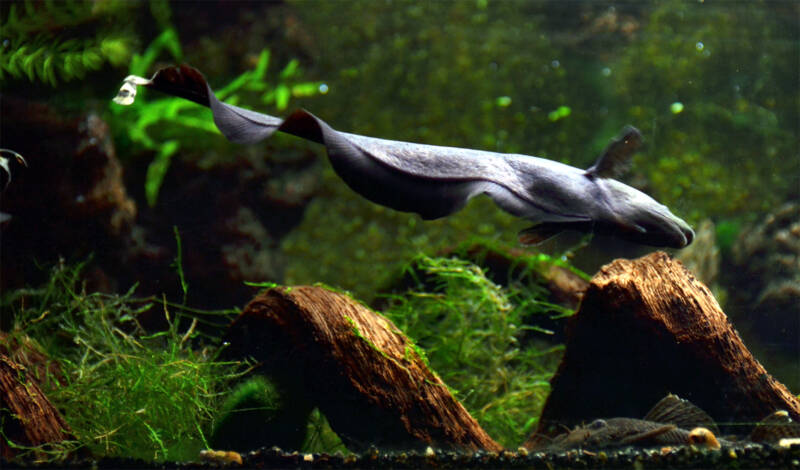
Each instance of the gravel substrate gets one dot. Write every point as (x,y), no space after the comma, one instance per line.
(746,456)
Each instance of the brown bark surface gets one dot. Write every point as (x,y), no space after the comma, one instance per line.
(29,417)
(646,328)
(357,367)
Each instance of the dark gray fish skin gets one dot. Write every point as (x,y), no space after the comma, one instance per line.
(435,181)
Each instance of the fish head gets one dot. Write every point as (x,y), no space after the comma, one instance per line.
(628,213)
(576,437)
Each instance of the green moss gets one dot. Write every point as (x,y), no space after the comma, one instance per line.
(258,413)
(358,334)
(727,233)
(320,437)
(126,392)
(471,330)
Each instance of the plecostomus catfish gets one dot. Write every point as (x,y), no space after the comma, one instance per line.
(672,421)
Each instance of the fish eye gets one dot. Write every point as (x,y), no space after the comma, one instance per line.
(597,424)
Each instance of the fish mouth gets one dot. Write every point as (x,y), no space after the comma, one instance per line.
(657,229)
(671,233)
(683,234)
(689,235)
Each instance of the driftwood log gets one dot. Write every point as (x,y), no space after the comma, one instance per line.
(28,417)
(357,367)
(646,328)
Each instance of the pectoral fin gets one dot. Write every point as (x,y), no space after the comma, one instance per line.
(649,434)
(544,231)
(539,233)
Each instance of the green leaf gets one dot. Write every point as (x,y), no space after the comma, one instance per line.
(290,69)
(48,71)
(261,67)
(167,40)
(28,63)
(157,170)
(305,89)
(282,95)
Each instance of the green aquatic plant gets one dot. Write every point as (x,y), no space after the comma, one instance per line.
(727,233)
(53,42)
(258,413)
(320,438)
(141,122)
(471,331)
(125,391)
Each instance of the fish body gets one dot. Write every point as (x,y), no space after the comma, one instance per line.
(671,421)
(621,432)
(435,181)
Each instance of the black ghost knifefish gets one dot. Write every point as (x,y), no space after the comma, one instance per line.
(435,181)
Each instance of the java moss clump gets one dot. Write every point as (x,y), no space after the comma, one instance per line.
(471,330)
(122,390)
(258,412)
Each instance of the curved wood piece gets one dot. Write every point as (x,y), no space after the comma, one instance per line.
(646,328)
(29,419)
(357,367)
